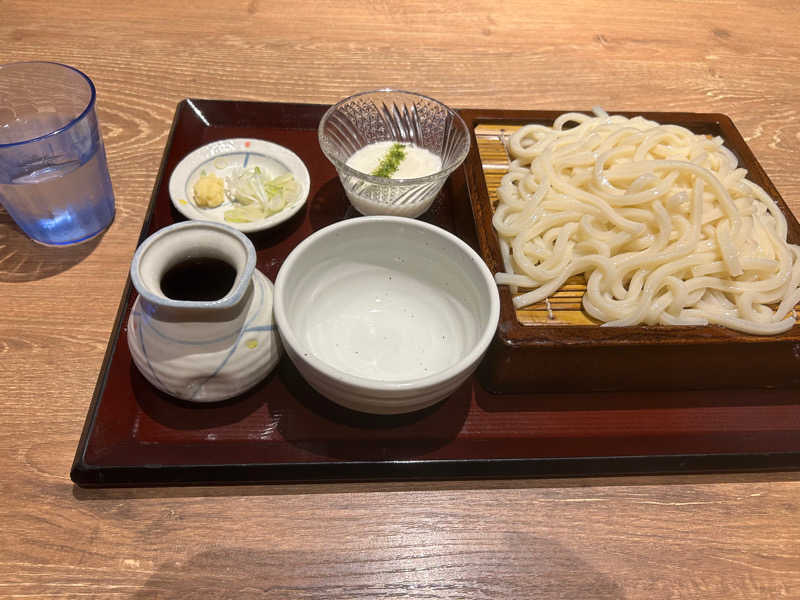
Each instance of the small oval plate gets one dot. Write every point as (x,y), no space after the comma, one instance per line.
(221,158)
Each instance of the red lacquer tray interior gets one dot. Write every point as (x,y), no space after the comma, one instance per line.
(282,430)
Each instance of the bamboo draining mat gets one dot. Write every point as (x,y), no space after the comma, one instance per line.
(563,307)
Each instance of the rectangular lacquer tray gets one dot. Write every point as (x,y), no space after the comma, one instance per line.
(283,431)
(555,346)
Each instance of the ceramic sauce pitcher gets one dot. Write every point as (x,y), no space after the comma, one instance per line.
(202,327)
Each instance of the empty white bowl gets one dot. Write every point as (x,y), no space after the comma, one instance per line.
(385,314)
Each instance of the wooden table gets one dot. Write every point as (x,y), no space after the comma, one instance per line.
(714,536)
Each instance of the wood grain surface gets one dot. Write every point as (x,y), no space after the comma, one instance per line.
(719,537)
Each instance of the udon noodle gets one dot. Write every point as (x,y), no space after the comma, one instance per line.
(660,221)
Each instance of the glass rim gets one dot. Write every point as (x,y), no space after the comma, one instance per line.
(410,181)
(74,120)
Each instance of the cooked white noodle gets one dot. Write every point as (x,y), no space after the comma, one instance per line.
(660,221)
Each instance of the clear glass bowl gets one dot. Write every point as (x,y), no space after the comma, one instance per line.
(392,115)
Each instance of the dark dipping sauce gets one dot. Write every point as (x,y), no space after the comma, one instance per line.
(198,279)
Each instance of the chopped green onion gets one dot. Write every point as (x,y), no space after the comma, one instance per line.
(244,214)
(257,195)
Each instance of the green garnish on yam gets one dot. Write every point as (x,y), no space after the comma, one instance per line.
(391,162)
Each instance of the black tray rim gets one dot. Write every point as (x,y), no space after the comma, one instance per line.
(430,470)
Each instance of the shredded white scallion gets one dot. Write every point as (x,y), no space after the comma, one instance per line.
(257,195)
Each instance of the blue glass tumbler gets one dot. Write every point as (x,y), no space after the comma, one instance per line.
(54,178)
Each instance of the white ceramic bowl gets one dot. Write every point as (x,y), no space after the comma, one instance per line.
(385,314)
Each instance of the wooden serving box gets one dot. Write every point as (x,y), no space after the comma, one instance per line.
(555,346)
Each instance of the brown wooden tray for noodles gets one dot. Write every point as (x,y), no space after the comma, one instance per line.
(555,346)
